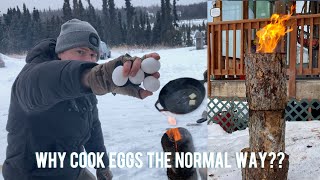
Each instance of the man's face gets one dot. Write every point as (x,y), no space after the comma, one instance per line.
(81,54)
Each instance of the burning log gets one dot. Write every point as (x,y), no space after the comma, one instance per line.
(267,97)
(178,140)
(266,91)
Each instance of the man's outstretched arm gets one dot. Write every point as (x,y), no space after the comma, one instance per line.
(40,86)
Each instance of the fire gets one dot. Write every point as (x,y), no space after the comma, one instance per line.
(172,121)
(174,134)
(270,35)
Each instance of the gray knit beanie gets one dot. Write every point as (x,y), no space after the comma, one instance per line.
(75,33)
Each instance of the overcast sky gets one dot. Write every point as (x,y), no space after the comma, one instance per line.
(55,4)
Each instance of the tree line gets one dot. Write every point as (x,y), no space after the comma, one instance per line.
(21,29)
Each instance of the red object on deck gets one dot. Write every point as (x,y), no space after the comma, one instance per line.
(222,118)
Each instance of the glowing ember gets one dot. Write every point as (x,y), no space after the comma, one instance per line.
(174,134)
(172,120)
(270,35)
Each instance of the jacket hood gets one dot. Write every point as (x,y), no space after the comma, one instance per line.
(42,51)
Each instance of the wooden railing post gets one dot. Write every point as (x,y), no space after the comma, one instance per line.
(209,59)
(292,60)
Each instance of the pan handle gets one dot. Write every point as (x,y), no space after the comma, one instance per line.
(202,81)
(156,105)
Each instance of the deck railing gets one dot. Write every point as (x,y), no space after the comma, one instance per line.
(228,41)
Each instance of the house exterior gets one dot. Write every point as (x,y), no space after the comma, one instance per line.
(233,34)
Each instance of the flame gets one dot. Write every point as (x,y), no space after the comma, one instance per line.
(270,35)
(174,134)
(172,121)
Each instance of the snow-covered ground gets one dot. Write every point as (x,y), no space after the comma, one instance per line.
(195,22)
(131,125)
(128,124)
(302,146)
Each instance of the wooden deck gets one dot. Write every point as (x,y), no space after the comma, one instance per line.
(229,41)
(305,89)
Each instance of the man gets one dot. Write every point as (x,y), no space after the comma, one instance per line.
(53,106)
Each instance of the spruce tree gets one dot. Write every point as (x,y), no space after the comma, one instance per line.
(114,26)
(48,28)
(163,20)
(37,30)
(142,19)
(57,22)
(168,13)
(148,32)
(105,21)
(184,34)
(91,14)
(130,14)
(8,17)
(189,38)
(105,10)
(25,30)
(18,13)
(99,28)
(136,31)
(81,11)
(205,32)
(76,13)
(175,16)
(35,15)
(122,30)
(67,12)
(156,31)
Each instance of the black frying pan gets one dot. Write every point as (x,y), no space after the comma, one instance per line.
(174,96)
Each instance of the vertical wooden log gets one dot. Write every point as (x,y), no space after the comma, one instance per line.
(266,87)
(266,173)
(266,92)
(181,143)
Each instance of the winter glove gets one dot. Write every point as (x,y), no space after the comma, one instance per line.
(104,174)
(100,79)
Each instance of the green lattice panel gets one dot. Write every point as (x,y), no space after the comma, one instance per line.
(230,112)
(302,110)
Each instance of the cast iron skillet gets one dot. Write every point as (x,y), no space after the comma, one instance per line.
(174,96)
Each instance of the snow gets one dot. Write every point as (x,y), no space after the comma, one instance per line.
(302,146)
(195,22)
(132,125)
(129,124)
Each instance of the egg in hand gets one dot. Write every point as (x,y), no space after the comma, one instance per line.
(118,78)
(150,65)
(151,84)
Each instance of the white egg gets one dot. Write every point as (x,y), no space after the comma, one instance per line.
(150,65)
(138,78)
(117,77)
(151,83)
